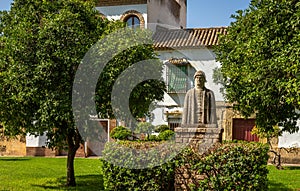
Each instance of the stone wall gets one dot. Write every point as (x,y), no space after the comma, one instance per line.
(13,147)
(198,137)
(288,155)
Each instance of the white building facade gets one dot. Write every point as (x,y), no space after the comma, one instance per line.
(167,12)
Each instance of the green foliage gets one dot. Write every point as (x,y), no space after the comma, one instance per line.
(42,44)
(33,174)
(120,133)
(134,166)
(152,138)
(270,134)
(229,166)
(260,62)
(134,48)
(144,127)
(41,47)
(166,135)
(233,166)
(161,128)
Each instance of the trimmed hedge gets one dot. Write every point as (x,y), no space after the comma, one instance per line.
(229,166)
(232,166)
(138,166)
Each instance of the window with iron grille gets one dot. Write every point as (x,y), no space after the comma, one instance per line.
(178,80)
(174,123)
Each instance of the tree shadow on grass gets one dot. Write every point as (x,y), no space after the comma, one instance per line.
(14,159)
(83,183)
(276,186)
(291,167)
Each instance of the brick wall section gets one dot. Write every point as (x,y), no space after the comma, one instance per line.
(40,151)
(43,151)
(200,138)
(79,153)
(102,3)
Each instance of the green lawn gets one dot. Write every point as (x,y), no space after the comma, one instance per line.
(287,179)
(50,173)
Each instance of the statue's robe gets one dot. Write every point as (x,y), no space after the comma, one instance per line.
(191,108)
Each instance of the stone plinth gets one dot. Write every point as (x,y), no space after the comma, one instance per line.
(200,137)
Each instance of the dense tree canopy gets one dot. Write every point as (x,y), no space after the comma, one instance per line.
(260,62)
(42,43)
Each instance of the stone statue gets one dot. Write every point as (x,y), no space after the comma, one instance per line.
(199,103)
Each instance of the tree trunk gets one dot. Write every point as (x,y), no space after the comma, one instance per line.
(73,140)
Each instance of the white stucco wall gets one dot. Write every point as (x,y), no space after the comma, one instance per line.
(115,12)
(158,117)
(156,11)
(200,59)
(33,141)
(161,12)
(288,140)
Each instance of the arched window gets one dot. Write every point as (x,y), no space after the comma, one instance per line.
(133,21)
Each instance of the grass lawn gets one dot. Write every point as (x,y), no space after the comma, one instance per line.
(287,179)
(39,173)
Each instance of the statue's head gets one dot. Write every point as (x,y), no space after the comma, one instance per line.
(200,79)
(200,74)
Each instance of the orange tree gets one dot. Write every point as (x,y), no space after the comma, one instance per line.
(260,62)
(42,44)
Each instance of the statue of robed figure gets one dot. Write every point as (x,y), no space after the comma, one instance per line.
(199,103)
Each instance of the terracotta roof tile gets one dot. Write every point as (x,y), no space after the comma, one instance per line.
(187,38)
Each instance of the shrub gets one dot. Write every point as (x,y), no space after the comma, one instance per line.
(233,166)
(124,165)
(144,127)
(166,135)
(120,133)
(161,128)
(152,138)
(229,166)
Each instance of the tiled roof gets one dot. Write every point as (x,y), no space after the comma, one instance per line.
(187,38)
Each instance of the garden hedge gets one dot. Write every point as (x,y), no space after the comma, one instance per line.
(229,166)
(129,165)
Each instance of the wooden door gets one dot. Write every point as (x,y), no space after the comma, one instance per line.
(242,130)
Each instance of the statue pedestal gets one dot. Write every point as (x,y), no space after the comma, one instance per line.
(200,137)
